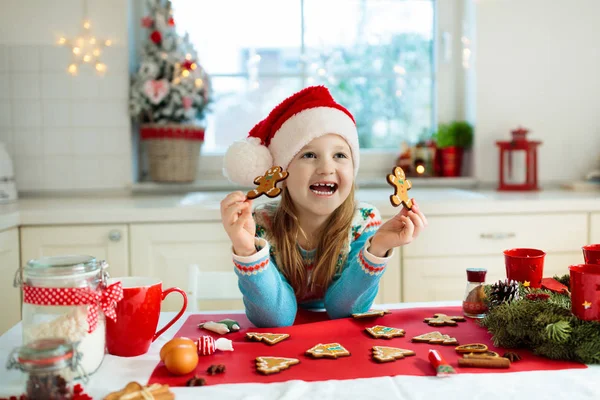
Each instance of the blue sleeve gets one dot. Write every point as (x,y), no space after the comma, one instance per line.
(268,297)
(357,286)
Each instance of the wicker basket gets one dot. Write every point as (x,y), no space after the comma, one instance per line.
(173,151)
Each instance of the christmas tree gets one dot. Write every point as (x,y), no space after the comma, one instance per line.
(170,85)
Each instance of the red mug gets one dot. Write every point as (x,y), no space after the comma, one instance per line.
(525,266)
(137,316)
(585,291)
(591,253)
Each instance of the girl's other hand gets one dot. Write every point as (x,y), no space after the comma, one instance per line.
(236,216)
(401,229)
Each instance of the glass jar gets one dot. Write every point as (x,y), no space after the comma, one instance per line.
(61,299)
(49,366)
(474,304)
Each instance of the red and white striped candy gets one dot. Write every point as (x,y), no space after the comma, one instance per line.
(206,345)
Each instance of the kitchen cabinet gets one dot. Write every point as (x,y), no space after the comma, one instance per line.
(105,242)
(595,228)
(434,266)
(167,250)
(10,297)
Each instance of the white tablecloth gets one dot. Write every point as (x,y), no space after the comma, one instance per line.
(116,372)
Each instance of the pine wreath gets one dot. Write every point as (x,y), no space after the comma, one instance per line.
(541,320)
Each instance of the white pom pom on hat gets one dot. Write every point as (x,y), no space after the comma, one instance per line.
(302,117)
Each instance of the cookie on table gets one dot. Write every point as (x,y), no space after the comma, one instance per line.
(380,331)
(329,350)
(435,338)
(273,365)
(388,354)
(371,313)
(444,320)
(268,338)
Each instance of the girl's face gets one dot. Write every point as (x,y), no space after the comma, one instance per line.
(321,175)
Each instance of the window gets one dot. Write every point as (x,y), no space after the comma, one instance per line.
(376,56)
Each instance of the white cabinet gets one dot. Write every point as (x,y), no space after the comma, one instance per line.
(10,297)
(434,266)
(595,228)
(105,242)
(166,251)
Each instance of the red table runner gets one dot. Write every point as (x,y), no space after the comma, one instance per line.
(311,328)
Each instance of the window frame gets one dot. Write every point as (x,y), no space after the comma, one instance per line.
(449,94)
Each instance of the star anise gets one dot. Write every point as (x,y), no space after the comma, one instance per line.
(512,356)
(216,369)
(196,381)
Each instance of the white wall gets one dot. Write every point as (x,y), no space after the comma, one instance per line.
(64,132)
(535,65)
(538,65)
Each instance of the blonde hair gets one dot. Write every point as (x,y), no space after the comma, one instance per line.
(332,244)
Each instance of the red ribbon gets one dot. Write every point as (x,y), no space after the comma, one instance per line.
(104,299)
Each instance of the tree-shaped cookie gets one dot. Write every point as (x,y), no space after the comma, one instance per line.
(272,365)
(401,187)
(329,350)
(380,331)
(387,354)
(444,320)
(371,313)
(269,338)
(435,338)
(267,183)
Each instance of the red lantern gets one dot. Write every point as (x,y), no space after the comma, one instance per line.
(518,146)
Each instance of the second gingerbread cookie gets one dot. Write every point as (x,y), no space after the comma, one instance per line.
(267,184)
(401,187)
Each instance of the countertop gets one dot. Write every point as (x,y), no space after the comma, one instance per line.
(204,206)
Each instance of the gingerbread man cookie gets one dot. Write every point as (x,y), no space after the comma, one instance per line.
(267,183)
(401,187)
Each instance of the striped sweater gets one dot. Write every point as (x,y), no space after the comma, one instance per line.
(270,300)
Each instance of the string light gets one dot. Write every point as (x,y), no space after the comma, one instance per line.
(199,82)
(185,73)
(85,49)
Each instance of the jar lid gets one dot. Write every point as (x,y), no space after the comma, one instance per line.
(476,274)
(62,266)
(44,353)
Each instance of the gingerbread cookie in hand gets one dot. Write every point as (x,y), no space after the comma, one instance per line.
(401,187)
(267,183)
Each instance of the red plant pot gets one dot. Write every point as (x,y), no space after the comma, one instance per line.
(591,253)
(585,291)
(451,161)
(525,266)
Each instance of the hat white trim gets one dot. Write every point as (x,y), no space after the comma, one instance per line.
(301,128)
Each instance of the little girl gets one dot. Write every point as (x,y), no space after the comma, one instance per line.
(315,248)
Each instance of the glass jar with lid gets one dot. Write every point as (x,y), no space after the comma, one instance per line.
(67,297)
(48,366)
(474,303)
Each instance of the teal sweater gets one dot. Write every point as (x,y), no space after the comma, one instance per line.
(270,300)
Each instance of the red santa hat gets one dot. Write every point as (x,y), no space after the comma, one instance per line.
(302,117)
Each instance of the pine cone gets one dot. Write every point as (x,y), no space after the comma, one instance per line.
(504,292)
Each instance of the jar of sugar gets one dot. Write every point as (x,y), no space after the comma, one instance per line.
(68,297)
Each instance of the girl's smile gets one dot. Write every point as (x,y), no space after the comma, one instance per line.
(324,188)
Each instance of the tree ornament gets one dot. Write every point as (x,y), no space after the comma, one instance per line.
(147,22)
(156,91)
(156,37)
(503,292)
(171,21)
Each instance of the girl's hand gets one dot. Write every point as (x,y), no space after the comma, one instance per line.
(236,215)
(401,229)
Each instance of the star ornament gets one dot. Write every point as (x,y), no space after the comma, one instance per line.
(526,283)
(587,305)
(85,49)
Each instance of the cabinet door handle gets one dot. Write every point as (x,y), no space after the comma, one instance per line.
(114,235)
(498,235)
